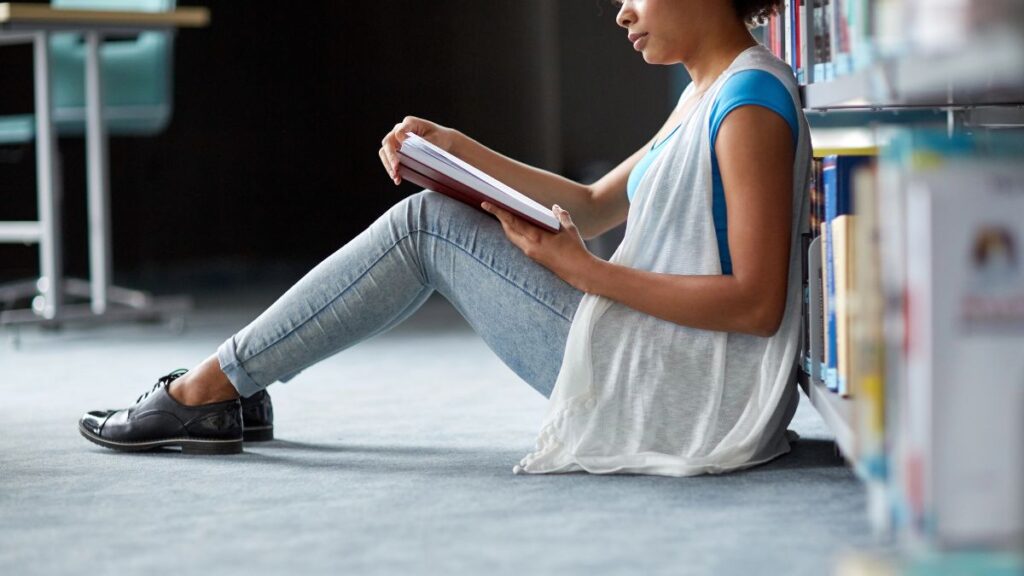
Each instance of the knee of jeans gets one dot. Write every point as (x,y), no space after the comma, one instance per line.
(424,211)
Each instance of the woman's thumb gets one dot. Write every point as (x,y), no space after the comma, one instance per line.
(562,215)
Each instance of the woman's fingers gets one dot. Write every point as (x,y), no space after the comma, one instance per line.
(563,217)
(392,142)
(521,233)
(401,128)
(392,173)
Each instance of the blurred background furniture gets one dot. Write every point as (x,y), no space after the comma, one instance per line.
(100,67)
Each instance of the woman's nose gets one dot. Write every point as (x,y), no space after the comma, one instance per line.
(625,17)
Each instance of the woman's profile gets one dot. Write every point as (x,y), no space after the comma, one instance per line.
(673,357)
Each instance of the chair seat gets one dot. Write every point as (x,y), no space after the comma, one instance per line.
(17,129)
(121,121)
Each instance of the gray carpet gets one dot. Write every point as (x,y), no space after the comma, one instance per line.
(393,457)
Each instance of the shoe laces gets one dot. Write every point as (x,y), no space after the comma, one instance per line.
(161,382)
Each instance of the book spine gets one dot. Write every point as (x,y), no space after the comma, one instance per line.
(827,39)
(835,9)
(806,44)
(805,316)
(816,309)
(794,35)
(784,16)
(867,343)
(831,210)
(841,228)
(825,349)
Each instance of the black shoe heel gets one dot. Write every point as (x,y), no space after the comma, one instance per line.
(262,434)
(212,447)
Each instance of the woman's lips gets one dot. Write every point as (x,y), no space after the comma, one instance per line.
(638,40)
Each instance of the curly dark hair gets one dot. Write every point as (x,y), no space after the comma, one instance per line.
(755,12)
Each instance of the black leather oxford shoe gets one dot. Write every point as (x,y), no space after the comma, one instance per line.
(257,417)
(157,420)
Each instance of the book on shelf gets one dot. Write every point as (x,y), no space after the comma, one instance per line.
(950,398)
(825,39)
(842,227)
(803,46)
(816,309)
(865,321)
(964,458)
(909,152)
(836,184)
(821,30)
(424,164)
(809,231)
(805,290)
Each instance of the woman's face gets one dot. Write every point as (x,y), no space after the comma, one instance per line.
(658,29)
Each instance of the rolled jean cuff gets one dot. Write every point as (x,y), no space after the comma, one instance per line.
(231,366)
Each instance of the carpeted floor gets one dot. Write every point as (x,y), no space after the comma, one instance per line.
(393,457)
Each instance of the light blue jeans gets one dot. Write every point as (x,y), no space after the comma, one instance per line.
(424,243)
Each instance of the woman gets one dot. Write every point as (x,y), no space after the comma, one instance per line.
(674,357)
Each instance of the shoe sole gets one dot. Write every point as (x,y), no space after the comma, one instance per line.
(187,445)
(258,433)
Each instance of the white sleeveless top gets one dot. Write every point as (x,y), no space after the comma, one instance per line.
(637,394)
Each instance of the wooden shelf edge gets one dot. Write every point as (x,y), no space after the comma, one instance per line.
(183,17)
(836,411)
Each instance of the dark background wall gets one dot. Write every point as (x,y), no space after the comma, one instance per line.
(271,157)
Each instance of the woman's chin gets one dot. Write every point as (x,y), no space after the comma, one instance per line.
(652,58)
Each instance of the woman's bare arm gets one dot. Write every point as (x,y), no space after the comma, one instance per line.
(755,156)
(596,208)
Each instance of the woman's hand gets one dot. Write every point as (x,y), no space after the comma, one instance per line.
(438,135)
(562,252)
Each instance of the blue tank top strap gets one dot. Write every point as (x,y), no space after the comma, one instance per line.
(748,87)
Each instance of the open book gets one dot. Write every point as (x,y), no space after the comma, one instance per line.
(424,164)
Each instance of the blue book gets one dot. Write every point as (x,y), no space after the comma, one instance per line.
(793,7)
(836,176)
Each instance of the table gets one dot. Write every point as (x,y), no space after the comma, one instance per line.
(33,23)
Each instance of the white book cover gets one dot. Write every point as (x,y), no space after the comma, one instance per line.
(428,154)
(965,373)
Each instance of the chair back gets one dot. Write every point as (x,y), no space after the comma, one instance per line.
(136,72)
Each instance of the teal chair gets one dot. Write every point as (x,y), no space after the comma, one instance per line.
(136,73)
(137,79)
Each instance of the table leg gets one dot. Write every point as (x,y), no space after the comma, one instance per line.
(99,184)
(49,201)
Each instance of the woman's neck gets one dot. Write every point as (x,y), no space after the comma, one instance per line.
(715,52)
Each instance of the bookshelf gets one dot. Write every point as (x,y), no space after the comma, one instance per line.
(939,90)
(836,411)
(952,79)
(978,83)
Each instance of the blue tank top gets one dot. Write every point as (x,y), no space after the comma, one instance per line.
(748,87)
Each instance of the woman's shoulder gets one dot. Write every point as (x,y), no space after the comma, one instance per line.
(758,62)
